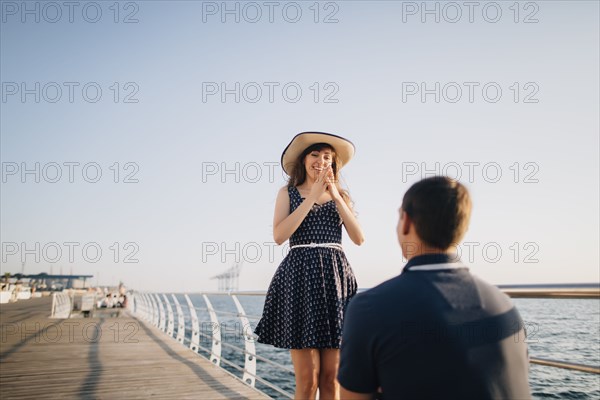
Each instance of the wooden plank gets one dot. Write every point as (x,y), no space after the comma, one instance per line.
(102,358)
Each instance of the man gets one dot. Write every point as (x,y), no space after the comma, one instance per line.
(435,331)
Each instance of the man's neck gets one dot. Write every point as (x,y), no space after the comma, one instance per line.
(421,248)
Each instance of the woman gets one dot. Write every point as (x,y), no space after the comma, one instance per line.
(306,299)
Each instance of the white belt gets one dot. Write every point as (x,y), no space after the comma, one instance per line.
(329,245)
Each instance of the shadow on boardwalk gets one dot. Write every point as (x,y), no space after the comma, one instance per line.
(97,358)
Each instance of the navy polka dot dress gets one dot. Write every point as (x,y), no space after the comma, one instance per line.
(312,286)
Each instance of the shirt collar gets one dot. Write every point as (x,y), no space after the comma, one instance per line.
(434,258)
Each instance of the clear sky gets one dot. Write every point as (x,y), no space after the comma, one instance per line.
(185,112)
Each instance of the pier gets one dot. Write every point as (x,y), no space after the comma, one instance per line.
(152,348)
(112,355)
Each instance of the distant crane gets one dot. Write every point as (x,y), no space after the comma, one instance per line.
(229,280)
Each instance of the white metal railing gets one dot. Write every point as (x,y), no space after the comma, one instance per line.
(166,312)
(61,305)
(151,308)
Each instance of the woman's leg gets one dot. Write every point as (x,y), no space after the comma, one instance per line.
(329,388)
(306,366)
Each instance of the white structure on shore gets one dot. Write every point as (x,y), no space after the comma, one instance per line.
(229,280)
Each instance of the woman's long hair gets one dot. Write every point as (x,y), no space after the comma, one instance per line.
(298,171)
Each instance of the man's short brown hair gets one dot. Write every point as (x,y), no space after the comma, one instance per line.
(440,209)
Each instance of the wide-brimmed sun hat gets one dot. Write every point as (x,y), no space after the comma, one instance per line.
(343,148)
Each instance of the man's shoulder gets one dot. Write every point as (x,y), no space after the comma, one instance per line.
(400,286)
(372,307)
(492,296)
(385,287)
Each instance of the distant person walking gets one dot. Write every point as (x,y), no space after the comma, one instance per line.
(310,290)
(435,331)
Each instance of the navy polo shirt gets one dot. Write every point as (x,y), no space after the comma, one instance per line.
(434,332)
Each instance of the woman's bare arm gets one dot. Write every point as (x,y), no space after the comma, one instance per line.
(284,223)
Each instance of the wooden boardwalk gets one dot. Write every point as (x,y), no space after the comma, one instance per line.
(101,358)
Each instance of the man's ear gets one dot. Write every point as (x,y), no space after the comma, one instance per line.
(406,223)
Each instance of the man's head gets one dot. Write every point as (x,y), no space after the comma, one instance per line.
(434,216)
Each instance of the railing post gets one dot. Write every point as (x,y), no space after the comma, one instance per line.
(195,339)
(154,309)
(180,320)
(145,314)
(250,363)
(215,355)
(149,309)
(161,313)
(170,323)
(144,307)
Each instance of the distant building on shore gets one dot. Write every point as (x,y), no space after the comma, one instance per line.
(44,281)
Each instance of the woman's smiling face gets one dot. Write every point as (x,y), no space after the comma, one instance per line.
(317,160)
